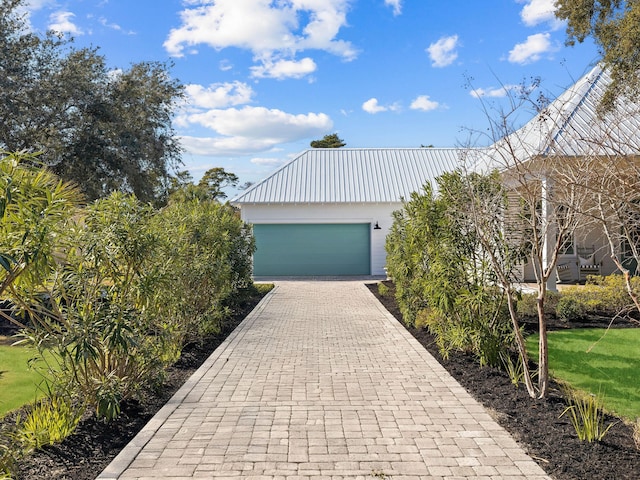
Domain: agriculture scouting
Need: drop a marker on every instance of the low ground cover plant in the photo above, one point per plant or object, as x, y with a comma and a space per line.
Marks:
47, 421
587, 415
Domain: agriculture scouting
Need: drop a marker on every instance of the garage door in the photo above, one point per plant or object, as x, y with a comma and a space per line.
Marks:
312, 249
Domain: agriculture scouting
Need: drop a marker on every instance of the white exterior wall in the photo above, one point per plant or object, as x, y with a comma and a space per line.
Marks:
331, 213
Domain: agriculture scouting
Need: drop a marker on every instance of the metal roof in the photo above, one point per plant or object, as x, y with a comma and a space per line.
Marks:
352, 175
571, 126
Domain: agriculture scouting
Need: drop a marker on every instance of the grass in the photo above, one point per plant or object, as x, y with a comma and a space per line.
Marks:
18, 383
599, 362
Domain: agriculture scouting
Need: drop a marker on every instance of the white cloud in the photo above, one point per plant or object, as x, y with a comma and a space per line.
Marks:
62, 22
114, 74
536, 12
273, 31
443, 52
251, 129
396, 4
267, 162
113, 26
424, 103
282, 69
372, 106
219, 95
30, 6
493, 92
262, 122
532, 49
225, 65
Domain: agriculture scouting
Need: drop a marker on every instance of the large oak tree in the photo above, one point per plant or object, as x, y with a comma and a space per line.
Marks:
106, 130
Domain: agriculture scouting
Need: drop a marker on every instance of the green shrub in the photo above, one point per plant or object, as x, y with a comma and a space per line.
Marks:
136, 285
263, 288
602, 295
441, 272
527, 304
210, 251
383, 290
570, 308
450, 336
101, 327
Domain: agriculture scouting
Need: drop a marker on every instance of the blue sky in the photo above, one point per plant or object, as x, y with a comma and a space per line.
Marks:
265, 77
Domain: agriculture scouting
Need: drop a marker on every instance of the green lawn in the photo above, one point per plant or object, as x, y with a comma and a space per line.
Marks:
589, 361
18, 383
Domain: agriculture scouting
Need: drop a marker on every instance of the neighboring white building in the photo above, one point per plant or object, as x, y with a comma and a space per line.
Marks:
569, 131
328, 211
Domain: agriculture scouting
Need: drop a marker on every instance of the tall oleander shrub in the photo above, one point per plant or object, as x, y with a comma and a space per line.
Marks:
99, 320
209, 250
443, 280
111, 292
35, 209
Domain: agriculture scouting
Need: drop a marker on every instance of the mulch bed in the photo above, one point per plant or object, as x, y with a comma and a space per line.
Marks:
536, 424
550, 440
86, 453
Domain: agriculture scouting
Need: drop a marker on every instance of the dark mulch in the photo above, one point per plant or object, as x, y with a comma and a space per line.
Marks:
84, 455
536, 424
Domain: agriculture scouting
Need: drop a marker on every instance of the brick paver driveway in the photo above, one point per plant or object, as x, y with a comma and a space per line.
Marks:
320, 382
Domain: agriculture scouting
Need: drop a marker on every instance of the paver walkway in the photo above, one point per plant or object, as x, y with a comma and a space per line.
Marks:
320, 382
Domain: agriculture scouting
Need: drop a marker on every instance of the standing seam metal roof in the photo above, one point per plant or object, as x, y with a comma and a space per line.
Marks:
352, 175
571, 125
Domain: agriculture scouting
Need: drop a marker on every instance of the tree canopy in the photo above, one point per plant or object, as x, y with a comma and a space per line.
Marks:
614, 25
210, 187
215, 180
106, 130
328, 141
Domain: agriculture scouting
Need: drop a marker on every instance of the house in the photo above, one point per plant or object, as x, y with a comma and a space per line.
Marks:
327, 211
566, 136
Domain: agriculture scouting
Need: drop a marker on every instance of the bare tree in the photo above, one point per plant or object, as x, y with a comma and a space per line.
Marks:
535, 217
610, 155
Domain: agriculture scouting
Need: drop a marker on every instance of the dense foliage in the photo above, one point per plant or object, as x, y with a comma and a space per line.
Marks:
101, 128
111, 292
442, 276
614, 25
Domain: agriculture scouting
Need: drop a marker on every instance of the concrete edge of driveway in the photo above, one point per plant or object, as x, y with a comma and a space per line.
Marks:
126, 456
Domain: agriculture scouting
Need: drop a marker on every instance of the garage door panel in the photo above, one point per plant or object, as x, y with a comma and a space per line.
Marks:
312, 249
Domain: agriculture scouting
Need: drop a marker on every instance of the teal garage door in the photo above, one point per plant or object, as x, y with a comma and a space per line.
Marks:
312, 249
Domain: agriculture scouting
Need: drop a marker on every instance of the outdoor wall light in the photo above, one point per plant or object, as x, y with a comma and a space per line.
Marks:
377, 227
